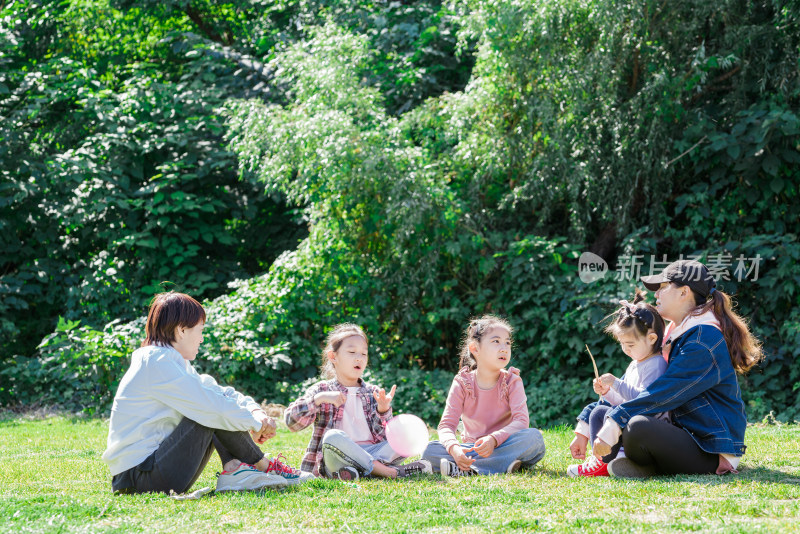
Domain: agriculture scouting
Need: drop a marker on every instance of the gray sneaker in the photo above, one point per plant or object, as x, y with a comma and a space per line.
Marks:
246, 478
347, 474
625, 468
450, 469
420, 467
514, 467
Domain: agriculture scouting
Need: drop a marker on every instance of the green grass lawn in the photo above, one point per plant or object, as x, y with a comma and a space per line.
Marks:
52, 479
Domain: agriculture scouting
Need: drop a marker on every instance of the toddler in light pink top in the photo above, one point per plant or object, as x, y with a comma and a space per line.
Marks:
490, 401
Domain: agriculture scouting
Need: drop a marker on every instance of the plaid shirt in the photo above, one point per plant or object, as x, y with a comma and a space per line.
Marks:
303, 412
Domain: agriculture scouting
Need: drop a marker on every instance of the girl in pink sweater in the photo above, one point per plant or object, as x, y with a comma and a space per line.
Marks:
490, 401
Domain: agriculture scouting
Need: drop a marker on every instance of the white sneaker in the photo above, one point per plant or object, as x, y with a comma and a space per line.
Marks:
246, 477
347, 474
627, 468
420, 467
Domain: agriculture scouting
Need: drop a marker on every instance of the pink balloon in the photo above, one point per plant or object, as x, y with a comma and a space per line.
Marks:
407, 434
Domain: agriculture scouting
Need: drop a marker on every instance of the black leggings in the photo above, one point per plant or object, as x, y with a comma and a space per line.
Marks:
670, 449
182, 456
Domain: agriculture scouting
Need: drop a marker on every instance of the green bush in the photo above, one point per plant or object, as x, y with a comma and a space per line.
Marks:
266, 336
627, 128
115, 176
743, 203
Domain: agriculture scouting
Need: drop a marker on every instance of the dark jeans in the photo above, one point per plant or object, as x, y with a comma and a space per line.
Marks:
596, 420
181, 458
670, 449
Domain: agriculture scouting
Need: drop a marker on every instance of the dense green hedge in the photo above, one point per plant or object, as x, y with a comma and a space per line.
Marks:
266, 337
636, 128
115, 176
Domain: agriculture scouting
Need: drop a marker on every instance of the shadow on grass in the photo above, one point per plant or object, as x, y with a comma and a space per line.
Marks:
10, 416
763, 474
746, 474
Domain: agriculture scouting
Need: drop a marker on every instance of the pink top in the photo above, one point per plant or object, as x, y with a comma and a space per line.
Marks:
499, 412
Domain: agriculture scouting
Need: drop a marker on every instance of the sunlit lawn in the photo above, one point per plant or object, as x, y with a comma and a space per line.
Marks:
52, 479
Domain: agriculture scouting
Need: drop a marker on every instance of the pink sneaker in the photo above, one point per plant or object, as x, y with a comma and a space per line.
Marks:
291, 475
592, 467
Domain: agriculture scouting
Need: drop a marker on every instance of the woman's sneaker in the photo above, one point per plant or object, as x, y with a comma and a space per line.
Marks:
451, 469
420, 467
347, 474
246, 477
291, 475
592, 467
625, 468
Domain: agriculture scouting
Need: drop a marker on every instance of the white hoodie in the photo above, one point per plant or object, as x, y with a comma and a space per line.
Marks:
158, 390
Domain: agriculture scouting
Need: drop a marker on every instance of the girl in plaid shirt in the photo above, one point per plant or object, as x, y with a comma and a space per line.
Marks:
349, 415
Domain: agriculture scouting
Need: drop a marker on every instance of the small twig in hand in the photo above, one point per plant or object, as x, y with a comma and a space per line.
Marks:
596, 374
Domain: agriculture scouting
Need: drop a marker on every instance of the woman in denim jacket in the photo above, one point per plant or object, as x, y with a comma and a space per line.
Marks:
706, 345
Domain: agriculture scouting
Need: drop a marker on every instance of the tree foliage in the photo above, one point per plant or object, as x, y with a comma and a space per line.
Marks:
115, 175
435, 190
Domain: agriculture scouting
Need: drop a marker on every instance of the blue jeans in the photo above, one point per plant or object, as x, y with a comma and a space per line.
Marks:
338, 451
596, 420
526, 445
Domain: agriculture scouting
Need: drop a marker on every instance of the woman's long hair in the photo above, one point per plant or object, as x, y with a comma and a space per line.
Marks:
743, 346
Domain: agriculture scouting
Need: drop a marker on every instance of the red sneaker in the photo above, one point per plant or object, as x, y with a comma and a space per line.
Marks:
592, 467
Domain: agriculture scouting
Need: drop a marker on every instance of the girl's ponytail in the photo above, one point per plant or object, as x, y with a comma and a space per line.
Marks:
743, 346
639, 318
466, 359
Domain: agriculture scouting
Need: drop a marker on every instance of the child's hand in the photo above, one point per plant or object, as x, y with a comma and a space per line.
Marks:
485, 446
599, 388
600, 448
578, 447
384, 400
607, 379
337, 398
463, 461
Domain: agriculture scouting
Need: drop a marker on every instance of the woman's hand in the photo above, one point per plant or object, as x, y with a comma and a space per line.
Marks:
463, 461
485, 446
600, 448
578, 447
384, 399
599, 387
268, 427
337, 398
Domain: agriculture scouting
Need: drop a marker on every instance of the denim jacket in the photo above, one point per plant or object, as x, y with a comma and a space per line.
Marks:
701, 389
